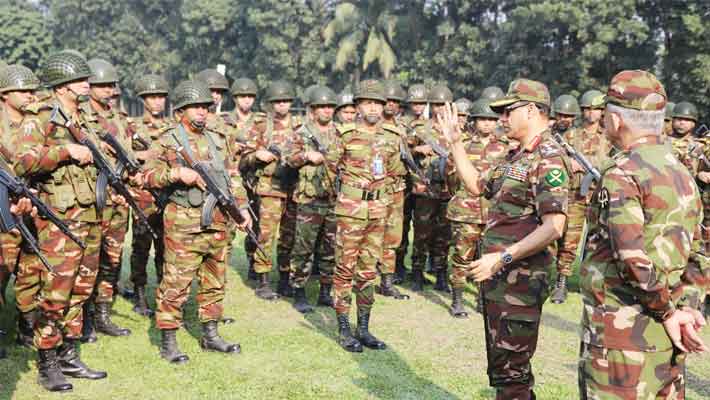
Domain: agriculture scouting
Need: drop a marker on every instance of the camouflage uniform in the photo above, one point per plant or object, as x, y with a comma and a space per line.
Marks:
643, 231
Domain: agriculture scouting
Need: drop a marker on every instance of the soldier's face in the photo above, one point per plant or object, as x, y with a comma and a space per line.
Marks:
592, 115
281, 107
102, 92
154, 103
392, 108
612, 125
244, 102
78, 88
17, 99
216, 96
417, 108
370, 110
515, 119
347, 114
196, 114
565, 119
323, 114
437, 108
486, 126
683, 126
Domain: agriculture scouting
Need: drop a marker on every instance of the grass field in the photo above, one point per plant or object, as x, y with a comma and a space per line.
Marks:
288, 356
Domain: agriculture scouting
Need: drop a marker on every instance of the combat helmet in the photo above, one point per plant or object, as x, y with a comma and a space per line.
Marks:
64, 66
370, 89
151, 84
322, 96
566, 104
685, 110
592, 99
102, 72
481, 109
306, 98
191, 92
17, 77
244, 87
213, 79
492, 93
669, 111
463, 106
394, 91
344, 99
417, 93
440, 94
279, 90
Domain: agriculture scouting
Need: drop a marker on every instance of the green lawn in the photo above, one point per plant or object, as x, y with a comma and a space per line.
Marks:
284, 355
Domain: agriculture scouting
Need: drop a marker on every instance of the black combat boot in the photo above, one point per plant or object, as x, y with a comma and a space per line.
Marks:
263, 288
25, 328
211, 340
442, 283
417, 280
3, 353
324, 297
300, 302
559, 293
457, 310
284, 288
479, 304
141, 303
363, 331
169, 348
49, 374
346, 340
707, 306
104, 324
251, 274
88, 333
71, 365
387, 288
400, 271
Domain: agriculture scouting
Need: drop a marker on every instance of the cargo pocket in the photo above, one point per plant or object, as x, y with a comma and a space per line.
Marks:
518, 333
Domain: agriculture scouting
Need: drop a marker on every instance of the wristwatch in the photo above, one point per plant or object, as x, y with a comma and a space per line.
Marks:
506, 257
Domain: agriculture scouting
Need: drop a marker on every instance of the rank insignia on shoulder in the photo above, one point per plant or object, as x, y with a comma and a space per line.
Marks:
518, 173
556, 177
603, 198
548, 150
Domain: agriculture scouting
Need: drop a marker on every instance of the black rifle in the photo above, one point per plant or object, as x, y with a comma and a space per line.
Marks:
593, 174
216, 195
323, 149
442, 156
107, 175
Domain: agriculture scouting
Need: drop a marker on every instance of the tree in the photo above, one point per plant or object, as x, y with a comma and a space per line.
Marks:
25, 38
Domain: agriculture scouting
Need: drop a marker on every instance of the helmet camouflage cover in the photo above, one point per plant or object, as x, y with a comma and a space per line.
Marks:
370, 89
191, 92
64, 66
17, 77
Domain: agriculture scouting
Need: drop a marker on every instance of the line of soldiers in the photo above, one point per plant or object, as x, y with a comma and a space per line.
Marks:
496, 184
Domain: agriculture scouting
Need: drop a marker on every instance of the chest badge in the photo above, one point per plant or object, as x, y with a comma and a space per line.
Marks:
603, 198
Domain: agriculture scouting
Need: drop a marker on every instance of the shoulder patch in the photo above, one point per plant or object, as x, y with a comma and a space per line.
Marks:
556, 177
548, 149
603, 198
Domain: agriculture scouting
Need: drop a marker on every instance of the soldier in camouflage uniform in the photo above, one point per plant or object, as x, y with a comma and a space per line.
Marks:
417, 97
193, 250
528, 193
364, 155
274, 186
345, 109
62, 170
687, 149
432, 231
468, 213
641, 278
668, 119
103, 119
315, 196
17, 88
146, 129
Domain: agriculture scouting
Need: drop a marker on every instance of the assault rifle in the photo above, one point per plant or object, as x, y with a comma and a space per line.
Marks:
217, 196
593, 174
107, 175
323, 149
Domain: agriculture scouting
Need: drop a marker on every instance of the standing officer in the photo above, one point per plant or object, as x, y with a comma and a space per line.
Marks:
528, 193
641, 277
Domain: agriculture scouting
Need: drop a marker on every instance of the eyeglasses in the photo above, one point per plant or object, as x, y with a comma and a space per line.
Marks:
519, 104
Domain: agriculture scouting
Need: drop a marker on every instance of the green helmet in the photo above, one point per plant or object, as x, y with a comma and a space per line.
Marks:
345, 99
566, 104
244, 87
481, 108
308, 92
417, 94
279, 90
213, 79
151, 84
463, 106
17, 77
370, 89
685, 110
492, 93
669, 111
102, 71
440, 94
322, 96
64, 66
191, 92
394, 91
592, 99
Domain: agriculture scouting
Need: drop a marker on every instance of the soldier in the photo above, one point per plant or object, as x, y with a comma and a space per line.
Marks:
102, 118
17, 87
153, 92
432, 231
528, 193
566, 111
468, 213
218, 85
640, 291
417, 101
62, 171
668, 119
364, 155
274, 186
315, 196
589, 140
191, 249
345, 110
492, 93
685, 146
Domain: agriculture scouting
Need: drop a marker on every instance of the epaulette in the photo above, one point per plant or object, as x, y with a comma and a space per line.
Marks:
259, 116
37, 106
549, 148
227, 118
416, 123
397, 130
345, 128
161, 134
216, 132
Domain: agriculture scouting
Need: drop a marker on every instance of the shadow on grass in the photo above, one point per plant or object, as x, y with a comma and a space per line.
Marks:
387, 375
19, 359
698, 384
558, 323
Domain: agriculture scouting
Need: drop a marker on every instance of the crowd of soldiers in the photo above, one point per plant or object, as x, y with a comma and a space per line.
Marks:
503, 193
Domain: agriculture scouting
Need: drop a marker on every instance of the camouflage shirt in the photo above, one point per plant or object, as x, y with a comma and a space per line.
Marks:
316, 185
434, 166
687, 149
595, 147
643, 223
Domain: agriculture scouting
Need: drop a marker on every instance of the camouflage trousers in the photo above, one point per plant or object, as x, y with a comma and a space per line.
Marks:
250, 245
113, 227
9, 259
465, 237
142, 241
406, 224
63, 293
630, 375
706, 229
358, 247
277, 226
570, 241
432, 233
287, 236
511, 334
393, 233
313, 222
190, 255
